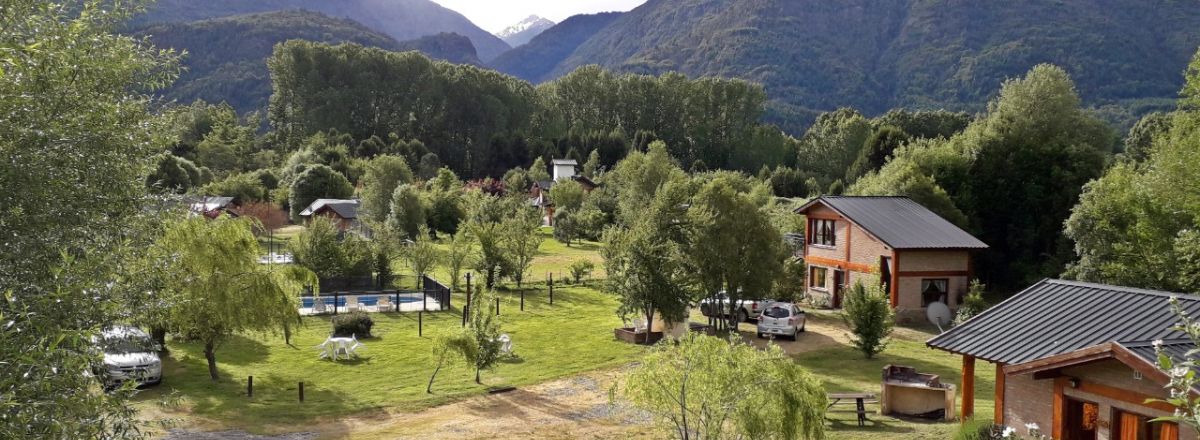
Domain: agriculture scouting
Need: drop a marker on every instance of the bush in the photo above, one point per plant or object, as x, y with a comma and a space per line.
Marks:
581, 268
352, 324
974, 430
973, 304
869, 315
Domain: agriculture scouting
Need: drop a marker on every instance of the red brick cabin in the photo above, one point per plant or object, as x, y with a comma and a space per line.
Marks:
1077, 359
917, 256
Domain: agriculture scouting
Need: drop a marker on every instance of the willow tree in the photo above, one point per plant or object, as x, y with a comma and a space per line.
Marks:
218, 287
708, 388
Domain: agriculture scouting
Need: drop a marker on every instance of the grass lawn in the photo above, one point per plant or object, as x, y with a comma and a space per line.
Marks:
572, 336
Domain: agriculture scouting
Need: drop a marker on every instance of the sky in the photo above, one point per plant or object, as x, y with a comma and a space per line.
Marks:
495, 15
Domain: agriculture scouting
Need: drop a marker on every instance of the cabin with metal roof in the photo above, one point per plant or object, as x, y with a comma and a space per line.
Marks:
343, 212
918, 256
1077, 359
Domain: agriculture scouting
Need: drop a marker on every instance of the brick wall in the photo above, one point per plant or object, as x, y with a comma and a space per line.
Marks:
1032, 401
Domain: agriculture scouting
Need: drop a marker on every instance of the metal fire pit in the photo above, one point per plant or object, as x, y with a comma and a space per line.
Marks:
906, 392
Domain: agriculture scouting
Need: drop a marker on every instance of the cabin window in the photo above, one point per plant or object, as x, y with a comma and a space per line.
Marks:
823, 232
816, 278
934, 290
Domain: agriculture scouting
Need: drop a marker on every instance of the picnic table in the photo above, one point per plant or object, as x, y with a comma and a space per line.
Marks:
860, 403
333, 346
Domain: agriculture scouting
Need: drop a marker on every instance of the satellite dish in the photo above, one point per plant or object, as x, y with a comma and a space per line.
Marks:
939, 314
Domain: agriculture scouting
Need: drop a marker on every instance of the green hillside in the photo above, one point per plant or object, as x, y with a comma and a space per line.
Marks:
399, 19
534, 61
873, 55
226, 57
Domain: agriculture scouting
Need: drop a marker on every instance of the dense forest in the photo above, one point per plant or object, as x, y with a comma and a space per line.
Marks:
226, 57
400, 19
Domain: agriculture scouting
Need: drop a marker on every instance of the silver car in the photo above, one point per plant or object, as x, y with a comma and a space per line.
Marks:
129, 354
782, 319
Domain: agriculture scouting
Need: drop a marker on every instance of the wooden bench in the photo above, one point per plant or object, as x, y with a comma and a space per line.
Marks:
860, 404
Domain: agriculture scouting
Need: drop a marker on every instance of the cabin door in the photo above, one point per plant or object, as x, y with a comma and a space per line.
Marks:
1080, 420
839, 280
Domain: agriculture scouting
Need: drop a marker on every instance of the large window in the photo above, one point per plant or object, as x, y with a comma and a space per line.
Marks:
822, 232
816, 277
935, 290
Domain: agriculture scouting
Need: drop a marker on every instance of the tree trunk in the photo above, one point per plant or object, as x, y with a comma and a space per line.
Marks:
209, 355
491, 277
159, 335
477, 377
429, 388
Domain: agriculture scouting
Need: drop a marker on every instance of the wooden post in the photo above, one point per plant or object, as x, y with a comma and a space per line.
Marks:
999, 415
421, 323
396, 303
335, 301
250, 386
465, 307
468, 291
551, 289
424, 300
968, 388
301, 392
497, 306
522, 300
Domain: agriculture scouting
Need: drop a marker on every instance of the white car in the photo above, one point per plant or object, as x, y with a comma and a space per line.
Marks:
129, 354
745, 309
782, 319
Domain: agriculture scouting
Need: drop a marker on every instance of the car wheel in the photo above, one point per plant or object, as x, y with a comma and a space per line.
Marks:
743, 316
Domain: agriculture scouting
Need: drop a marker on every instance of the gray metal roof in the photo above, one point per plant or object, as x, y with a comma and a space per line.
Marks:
563, 162
900, 222
1054, 317
346, 208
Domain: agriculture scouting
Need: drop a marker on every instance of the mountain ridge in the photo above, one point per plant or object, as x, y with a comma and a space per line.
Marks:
400, 19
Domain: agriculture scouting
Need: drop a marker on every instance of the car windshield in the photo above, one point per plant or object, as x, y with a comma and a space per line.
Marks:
126, 344
777, 312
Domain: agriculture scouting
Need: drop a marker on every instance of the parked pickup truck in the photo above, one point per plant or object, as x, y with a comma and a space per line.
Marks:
745, 309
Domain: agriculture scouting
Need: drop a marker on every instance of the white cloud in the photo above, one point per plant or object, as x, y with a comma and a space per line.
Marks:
495, 15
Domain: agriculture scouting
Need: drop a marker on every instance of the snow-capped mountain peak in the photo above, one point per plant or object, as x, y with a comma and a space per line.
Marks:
524, 30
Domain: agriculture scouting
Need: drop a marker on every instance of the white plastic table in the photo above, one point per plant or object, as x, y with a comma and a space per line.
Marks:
333, 347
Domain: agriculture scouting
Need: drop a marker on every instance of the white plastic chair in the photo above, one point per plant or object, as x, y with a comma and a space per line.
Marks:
505, 343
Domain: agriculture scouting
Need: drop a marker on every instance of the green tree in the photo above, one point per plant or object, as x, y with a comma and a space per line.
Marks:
591, 168
708, 388
638, 178
538, 171
833, 142
243, 187
1132, 226
448, 346
318, 249
460, 250
78, 144
407, 212
1141, 136
383, 174
646, 269
422, 254
317, 182
733, 245
173, 174
876, 151
567, 195
220, 289
581, 268
484, 328
483, 223
522, 237
866, 310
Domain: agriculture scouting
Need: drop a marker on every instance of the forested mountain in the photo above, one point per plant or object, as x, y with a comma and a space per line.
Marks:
227, 56
445, 46
524, 31
535, 60
400, 19
873, 55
